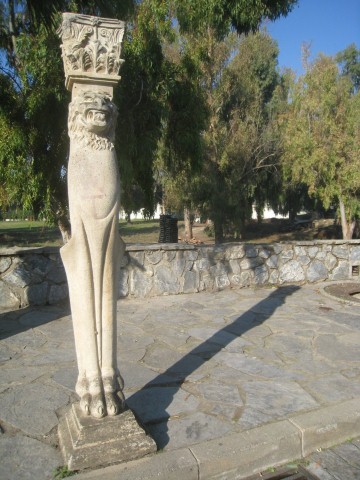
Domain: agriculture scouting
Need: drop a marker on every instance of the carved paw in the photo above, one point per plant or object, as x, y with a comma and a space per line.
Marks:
93, 405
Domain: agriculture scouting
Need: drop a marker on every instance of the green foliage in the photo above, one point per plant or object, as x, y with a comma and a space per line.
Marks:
164, 98
321, 136
62, 472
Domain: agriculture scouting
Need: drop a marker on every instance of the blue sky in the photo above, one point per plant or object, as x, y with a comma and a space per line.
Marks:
329, 25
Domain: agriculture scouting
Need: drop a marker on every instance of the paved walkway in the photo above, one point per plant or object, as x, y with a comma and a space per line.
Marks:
227, 383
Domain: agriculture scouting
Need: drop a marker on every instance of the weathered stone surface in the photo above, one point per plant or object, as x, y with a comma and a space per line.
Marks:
341, 251
165, 281
154, 257
7, 298
36, 294
26, 458
273, 261
341, 272
5, 263
261, 274
87, 442
140, 285
292, 271
250, 251
123, 283
57, 293
194, 428
316, 271
156, 405
31, 408
38, 265
330, 261
18, 276
191, 282
286, 255
355, 254
251, 263
273, 400
56, 274
235, 252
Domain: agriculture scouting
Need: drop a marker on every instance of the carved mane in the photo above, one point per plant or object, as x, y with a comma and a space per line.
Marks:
78, 128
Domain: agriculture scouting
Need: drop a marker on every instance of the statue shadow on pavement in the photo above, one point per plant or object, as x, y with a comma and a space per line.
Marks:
167, 384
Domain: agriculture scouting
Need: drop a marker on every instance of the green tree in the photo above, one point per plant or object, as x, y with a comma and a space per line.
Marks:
241, 141
161, 100
321, 138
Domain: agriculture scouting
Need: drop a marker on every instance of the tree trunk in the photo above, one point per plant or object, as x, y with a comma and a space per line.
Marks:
346, 226
219, 232
128, 217
65, 228
188, 225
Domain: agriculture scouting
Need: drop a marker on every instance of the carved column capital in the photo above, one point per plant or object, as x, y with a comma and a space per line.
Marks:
91, 49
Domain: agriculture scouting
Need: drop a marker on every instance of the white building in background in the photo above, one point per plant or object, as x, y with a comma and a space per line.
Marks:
139, 215
268, 213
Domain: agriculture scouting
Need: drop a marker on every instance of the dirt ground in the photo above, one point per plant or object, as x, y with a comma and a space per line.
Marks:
273, 230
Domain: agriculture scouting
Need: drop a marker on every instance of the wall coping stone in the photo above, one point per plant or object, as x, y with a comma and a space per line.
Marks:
135, 247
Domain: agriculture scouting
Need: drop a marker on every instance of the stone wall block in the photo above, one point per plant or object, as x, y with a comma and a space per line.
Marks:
36, 294
57, 294
124, 260
250, 251
191, 255
222, 281
291, 271
287, 255
341, 272
207, 282
137, 258
330, 261
165, 282
316, 271
5, 263
170, 255
274, 277
218, 253
8, 299
234, 252
299, 251
56, 274
278, 248
191, 282
304, 259
154, 257
235, 266
203, 264
273, 261
264, 252
19, 276
38, 265
341, 251
123, 283
261, 275
355, 255
140, 285
178, 265
247, 278
312, 251
251, 263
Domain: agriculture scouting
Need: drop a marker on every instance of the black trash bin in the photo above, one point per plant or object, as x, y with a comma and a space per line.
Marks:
168, 229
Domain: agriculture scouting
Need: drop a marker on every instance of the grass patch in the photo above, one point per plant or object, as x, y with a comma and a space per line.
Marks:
39, 234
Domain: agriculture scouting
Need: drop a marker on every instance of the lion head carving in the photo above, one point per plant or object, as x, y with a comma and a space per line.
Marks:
92, 120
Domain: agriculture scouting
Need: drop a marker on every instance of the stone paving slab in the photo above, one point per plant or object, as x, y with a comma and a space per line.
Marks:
203, 372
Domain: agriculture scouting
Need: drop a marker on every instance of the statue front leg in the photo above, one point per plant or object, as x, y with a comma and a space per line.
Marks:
112, 381
77, 261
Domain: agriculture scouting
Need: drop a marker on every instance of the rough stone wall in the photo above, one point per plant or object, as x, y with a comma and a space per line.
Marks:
32, 276
36, 276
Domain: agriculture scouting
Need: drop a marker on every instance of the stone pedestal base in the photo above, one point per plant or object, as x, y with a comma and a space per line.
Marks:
87, 442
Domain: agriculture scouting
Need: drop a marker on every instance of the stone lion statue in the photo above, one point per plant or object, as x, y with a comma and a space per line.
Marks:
92, 254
